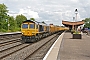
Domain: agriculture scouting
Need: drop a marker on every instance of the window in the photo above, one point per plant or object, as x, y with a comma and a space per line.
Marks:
36, 26
32, 26
25, 26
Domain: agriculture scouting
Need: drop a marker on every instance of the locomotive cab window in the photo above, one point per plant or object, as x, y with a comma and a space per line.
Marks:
36, 26
25, 26
41, 28
32, 26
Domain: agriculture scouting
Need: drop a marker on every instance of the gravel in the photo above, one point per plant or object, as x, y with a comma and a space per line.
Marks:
4, 41
22, 54
9, 46
12, 50
38, 55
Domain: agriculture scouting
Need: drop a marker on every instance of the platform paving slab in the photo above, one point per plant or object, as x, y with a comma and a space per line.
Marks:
74, 49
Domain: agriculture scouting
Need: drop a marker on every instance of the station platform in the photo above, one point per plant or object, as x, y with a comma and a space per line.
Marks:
8, 33
67, 48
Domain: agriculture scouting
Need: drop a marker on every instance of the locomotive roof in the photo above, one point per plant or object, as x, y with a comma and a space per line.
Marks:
40, 23
28, 21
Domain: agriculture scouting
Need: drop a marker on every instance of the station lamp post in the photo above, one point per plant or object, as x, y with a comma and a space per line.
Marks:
76, 12
73, 24
73, 19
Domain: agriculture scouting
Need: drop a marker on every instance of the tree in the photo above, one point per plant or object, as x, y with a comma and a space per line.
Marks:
3, 16
87, 23
12, 22
19, 19
3, 12
32, 19
43, 22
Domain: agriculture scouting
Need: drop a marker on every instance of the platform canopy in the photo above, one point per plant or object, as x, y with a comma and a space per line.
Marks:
72, 24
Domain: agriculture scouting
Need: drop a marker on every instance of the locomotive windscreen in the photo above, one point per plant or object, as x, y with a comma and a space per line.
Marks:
25, 26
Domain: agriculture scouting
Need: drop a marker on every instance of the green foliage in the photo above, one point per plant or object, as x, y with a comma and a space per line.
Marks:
3, 16
20, 19
32, 19
87, 23
12, 22
3, 30
77, 32
43, 22
5, 20
72, 31
3, 11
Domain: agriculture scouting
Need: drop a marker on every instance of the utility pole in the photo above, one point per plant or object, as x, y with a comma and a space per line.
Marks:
8, 23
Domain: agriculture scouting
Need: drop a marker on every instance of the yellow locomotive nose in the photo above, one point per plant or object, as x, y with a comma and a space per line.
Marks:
27, 33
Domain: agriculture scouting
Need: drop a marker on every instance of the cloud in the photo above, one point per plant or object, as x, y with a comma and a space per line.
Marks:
29, 13
12, 13
75, 1
26, 12
50, 11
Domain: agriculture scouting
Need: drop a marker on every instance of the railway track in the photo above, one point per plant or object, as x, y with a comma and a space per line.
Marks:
42, 50
7, 42
17, 51
12, 50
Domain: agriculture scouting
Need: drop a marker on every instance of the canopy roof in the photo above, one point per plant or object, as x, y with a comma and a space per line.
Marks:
73, 23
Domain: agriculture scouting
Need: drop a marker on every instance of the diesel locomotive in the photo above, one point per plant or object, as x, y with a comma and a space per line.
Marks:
33, 31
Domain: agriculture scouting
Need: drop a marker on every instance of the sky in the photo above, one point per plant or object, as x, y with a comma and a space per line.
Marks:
49, 11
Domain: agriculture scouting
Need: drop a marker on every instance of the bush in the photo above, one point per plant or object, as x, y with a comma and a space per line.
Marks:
3, 30
76, 32
72, 31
